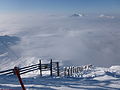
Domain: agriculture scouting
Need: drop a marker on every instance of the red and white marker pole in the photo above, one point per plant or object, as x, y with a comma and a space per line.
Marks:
17, 73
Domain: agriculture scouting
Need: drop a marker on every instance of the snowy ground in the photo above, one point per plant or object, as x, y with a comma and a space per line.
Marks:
96, 79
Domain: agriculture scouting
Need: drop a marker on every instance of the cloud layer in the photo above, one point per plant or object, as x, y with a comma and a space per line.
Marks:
74, 41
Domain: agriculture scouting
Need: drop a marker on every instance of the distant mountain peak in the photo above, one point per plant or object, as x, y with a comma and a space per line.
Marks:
106, 16
78, 15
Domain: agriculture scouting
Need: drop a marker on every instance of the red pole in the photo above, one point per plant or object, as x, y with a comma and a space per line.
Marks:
17, 73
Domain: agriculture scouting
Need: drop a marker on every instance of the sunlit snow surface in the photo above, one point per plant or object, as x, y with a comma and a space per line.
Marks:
97, 78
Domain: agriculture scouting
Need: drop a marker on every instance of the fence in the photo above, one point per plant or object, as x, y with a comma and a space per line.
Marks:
70, 71
53, 67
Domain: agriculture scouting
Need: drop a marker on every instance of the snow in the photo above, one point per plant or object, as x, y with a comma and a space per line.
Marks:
78, 15
99, 81
102, 78
26, 38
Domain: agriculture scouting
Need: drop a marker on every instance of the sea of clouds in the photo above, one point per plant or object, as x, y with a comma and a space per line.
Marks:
90, 39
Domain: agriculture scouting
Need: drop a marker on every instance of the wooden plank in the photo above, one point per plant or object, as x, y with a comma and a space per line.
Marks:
65, 71
68, 71
71, 70
45, 66
29, 71
40, 67
8, 73
51, 67
29, 66
58, 69
6, 70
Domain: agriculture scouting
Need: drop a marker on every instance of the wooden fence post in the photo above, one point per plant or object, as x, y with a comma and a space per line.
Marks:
71, 70
65, 70
58, 69
77, 69
68, 70
51, 67
17, 73
40, 67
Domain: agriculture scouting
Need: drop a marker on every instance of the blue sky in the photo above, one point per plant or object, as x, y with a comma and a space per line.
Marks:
58, 6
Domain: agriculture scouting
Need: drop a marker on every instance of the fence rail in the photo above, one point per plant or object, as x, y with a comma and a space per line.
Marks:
52, 67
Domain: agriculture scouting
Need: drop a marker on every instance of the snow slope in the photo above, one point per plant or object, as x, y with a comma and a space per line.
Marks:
97, 78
